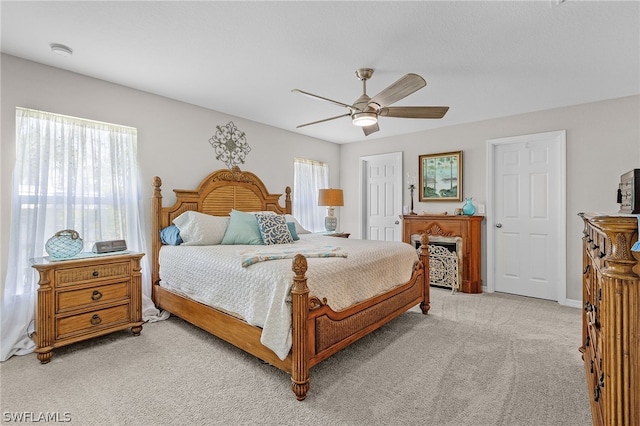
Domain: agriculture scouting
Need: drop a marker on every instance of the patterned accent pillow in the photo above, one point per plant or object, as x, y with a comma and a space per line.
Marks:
273, 229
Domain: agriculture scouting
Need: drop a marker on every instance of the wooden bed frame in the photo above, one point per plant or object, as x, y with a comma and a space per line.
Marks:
317, 330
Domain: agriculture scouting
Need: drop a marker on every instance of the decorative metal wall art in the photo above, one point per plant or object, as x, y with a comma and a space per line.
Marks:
230, 145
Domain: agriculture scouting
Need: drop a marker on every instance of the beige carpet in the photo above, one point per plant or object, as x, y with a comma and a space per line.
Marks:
489, 359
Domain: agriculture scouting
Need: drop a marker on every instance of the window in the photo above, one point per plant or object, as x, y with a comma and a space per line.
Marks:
309, 177
70, 173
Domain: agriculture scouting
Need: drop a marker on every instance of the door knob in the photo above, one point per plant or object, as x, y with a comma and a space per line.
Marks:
397, 222
498, 225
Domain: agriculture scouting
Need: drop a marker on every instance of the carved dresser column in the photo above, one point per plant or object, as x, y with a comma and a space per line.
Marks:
611, 318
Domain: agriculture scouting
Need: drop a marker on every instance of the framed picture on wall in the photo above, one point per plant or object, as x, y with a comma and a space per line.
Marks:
440, 176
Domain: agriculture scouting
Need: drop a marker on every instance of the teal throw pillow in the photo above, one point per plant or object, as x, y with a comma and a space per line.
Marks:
292, 230
242, 229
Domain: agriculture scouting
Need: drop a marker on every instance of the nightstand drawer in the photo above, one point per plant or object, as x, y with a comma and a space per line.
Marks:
73, 299
88, 273
92, 320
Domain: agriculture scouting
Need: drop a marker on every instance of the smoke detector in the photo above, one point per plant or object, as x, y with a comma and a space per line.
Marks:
61, 49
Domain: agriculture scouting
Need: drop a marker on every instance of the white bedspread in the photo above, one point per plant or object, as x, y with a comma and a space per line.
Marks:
260, 293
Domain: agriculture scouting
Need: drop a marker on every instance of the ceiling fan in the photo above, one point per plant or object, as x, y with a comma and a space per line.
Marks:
365, 111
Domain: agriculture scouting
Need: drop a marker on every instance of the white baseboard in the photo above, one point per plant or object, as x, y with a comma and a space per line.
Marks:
574, 303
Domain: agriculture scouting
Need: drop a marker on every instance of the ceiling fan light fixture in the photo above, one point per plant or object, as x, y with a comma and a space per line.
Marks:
365, 110
364, 119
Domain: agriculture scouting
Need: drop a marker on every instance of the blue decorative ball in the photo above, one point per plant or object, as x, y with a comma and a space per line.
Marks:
64, 244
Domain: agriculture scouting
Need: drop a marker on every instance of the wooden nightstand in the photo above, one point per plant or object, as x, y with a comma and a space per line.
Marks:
86, 297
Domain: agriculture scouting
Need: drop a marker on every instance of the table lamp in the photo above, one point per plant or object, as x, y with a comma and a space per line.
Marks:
330, 198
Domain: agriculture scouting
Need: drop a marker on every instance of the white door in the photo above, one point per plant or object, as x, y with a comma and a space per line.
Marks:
382, 197
526, 219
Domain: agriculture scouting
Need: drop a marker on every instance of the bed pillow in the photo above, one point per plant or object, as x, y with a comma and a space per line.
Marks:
170, 236
242, 229
292, 230
199, 229
273, 229
299, 228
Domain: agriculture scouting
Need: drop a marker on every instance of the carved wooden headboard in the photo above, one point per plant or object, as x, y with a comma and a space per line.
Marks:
217, 195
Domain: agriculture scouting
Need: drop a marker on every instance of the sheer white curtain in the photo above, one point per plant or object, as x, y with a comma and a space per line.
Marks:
70, 173
309, 176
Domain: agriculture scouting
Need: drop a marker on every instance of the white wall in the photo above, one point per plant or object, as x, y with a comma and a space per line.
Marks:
603, 142
172, 136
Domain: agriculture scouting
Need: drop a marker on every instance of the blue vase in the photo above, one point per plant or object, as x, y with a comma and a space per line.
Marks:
468, 209
64, 244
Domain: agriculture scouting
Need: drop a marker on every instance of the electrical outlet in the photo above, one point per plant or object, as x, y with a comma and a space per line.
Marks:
480, 208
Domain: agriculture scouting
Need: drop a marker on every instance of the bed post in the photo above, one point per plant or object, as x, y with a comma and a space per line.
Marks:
287, 200
300, 302
156, 209
425, 305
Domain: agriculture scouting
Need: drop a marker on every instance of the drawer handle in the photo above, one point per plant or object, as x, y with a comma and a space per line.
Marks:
95, 273
96, 295
594, 246
95, 319
602, 254
586, 269
596, 394
601, 380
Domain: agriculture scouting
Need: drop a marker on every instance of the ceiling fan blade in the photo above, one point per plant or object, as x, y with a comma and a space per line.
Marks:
370, 129
399, 90
414, 111
311, 95
322, 121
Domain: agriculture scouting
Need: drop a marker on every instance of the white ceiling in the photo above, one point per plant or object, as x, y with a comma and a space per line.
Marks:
483, 59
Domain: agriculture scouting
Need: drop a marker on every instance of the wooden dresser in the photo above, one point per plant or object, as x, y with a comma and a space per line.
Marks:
83, 298
466, 227
611, 318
